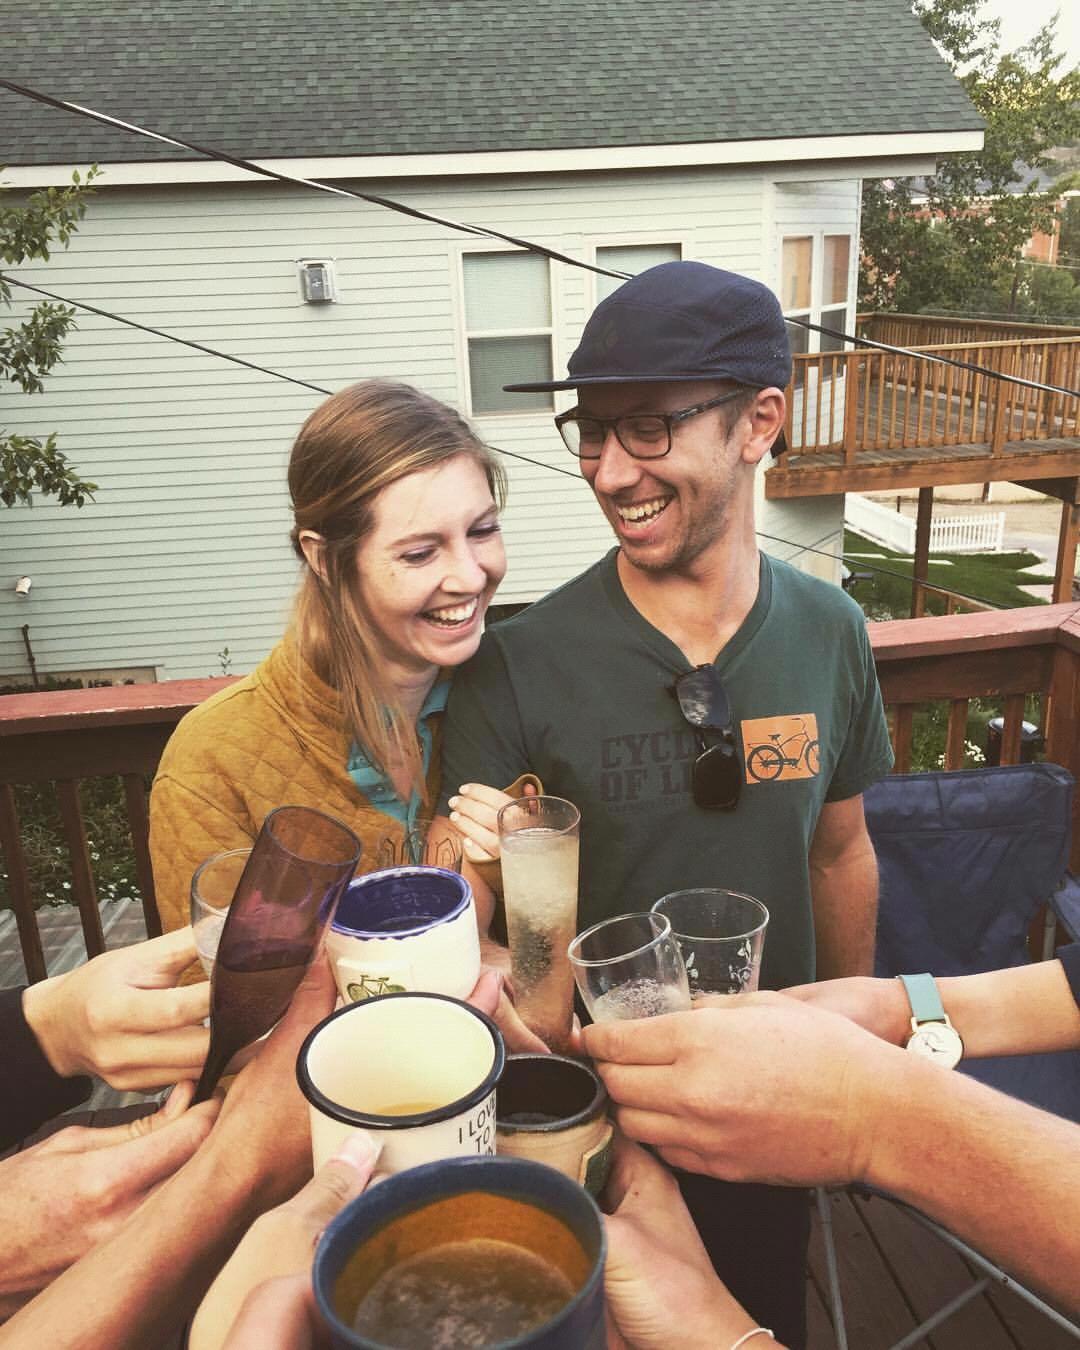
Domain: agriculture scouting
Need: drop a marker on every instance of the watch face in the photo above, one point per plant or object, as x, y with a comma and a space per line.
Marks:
938, 1042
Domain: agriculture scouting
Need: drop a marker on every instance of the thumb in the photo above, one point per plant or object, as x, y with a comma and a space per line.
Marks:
162, 960
337, 1182
486, 992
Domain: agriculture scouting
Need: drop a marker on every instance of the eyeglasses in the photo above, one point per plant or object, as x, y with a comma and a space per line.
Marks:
716, 775
641, 435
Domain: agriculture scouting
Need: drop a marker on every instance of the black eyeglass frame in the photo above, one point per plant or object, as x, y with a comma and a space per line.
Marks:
716, 776
670, 420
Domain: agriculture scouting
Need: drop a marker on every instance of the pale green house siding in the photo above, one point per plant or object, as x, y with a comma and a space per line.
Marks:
185, 550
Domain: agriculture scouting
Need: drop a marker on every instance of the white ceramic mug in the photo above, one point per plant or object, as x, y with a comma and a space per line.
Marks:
417, 1070
405, 928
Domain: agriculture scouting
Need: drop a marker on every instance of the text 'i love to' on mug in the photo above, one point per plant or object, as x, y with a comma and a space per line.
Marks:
405, 928
417, 1070
554, 1110
492, 1252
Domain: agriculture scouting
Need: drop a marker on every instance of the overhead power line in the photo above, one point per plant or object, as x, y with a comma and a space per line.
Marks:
321, 389
250, 166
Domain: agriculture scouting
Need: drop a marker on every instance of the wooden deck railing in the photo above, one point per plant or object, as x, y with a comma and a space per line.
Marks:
1020, 655
63, 738
921, 330
869, 401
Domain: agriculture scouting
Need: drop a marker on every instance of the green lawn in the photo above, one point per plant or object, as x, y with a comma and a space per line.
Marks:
994, 578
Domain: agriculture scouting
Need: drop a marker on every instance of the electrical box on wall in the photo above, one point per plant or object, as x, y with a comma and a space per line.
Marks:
317, 284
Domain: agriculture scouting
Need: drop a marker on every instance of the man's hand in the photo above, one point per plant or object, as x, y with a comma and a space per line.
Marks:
121, 1016
880, 1006
281, 1243
657, 1266
74, 1190
756, 1087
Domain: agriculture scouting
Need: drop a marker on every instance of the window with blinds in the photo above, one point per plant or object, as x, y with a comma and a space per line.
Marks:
508, 329
632, 258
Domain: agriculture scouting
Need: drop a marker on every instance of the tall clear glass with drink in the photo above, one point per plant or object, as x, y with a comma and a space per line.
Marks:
538, 840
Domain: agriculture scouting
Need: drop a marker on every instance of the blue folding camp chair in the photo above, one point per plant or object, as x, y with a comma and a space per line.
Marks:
966, 861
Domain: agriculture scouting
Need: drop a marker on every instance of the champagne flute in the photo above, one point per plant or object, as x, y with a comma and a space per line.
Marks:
299, 866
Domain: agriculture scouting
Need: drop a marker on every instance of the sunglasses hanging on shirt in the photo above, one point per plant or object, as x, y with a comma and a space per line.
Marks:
716, 775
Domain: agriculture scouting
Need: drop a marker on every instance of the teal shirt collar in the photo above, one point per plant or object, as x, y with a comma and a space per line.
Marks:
376, 786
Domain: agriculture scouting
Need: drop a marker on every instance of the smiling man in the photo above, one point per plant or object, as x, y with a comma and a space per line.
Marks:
714, 713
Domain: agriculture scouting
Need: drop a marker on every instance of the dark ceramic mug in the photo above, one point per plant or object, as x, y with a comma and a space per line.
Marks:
499, 1211
554, 1110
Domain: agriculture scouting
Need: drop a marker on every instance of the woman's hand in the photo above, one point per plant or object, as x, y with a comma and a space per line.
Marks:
280, 1244
122, 1017
879, 1006
475, 812
657, 1266
72, 1191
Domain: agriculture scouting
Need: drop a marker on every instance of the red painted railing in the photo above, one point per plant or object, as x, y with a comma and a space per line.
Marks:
1022, 656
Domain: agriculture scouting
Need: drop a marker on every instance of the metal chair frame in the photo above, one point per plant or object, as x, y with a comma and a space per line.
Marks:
1064, 908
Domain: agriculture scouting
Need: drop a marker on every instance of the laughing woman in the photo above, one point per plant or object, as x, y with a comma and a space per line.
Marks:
396, 505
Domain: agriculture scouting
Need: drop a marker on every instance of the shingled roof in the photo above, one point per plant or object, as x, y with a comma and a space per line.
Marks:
291, 78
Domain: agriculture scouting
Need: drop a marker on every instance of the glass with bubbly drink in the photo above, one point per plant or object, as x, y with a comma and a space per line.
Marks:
630, 966
538, 841
212, 889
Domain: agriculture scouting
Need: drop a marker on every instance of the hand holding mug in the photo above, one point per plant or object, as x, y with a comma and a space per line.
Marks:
280, 1244
657, 1262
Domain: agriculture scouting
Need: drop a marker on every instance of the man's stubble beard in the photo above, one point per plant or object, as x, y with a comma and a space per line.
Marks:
699, 540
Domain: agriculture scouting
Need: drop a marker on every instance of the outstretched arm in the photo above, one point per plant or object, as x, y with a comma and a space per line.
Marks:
138, 1287
854, 1108
1021, 1011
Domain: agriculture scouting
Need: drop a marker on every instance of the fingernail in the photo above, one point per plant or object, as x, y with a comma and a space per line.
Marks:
454, 815
359, 1150
452, 801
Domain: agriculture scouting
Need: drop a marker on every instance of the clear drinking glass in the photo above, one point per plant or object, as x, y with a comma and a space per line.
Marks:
721, 934
630, 967
212, 889
418, 848
299, 866
538, 842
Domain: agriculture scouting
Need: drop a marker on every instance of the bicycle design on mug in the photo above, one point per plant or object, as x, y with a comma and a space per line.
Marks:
768, 760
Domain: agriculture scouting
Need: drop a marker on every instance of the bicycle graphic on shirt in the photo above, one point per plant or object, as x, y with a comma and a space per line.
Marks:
768, 760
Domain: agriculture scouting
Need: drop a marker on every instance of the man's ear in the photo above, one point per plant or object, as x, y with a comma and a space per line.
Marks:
312, 545
766, 415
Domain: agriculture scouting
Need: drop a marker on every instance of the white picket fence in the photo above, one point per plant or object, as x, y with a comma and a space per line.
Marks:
948, 534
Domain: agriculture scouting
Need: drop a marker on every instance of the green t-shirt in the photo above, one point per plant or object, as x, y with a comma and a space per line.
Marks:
577, 689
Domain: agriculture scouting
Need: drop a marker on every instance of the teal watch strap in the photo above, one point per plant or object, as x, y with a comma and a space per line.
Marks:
926, 1004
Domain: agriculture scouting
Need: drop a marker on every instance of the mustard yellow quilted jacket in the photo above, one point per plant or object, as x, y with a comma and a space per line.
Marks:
275, 738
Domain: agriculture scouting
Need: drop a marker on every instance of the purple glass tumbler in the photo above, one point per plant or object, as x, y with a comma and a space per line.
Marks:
298, 870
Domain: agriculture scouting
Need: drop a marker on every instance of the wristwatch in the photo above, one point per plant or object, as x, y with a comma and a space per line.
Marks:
932, 1034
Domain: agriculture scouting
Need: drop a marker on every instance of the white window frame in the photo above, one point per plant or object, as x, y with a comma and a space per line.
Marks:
463, 334
817, 278
593, 246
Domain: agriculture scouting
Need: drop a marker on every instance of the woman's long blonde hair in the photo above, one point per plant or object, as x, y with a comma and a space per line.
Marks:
351, 447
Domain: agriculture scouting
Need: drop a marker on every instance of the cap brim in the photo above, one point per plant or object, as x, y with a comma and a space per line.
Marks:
553, 385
